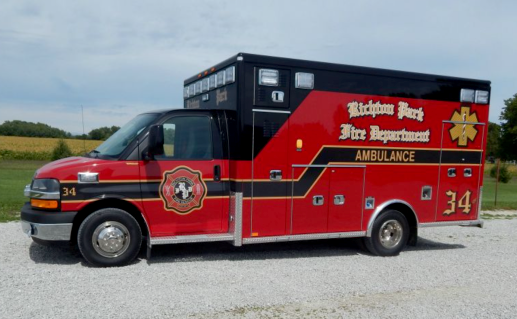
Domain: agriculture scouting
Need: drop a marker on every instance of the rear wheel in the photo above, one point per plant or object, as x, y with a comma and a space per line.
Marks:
390, 234
109, 237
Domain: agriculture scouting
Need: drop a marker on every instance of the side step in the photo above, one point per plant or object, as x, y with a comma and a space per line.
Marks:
191, 239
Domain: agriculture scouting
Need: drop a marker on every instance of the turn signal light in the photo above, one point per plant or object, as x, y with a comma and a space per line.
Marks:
41, 203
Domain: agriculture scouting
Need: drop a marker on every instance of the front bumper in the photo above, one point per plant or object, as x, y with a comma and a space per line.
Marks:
51, 226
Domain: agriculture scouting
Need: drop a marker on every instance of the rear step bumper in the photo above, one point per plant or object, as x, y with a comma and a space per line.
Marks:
471, 223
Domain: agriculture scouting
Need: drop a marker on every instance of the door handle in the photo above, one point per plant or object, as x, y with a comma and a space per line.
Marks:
339, 199
318, 200
217, 173
275, 175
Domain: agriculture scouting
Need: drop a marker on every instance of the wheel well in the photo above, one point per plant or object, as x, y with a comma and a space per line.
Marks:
108, 203
410, 217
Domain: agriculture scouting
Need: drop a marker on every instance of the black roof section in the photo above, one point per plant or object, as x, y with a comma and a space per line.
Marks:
305, 64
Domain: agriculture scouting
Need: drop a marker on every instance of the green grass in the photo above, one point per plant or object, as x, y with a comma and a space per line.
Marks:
506, 194
14, 175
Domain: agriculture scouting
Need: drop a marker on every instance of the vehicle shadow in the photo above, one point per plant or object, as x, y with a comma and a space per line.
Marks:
57, 253
283, 250
66, 254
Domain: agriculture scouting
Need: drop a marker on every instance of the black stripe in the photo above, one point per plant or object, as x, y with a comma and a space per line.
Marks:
349, 155
130, 190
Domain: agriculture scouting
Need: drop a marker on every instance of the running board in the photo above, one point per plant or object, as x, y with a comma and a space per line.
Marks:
191, 239
274, 239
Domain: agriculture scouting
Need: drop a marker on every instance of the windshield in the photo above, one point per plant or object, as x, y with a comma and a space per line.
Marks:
117, 143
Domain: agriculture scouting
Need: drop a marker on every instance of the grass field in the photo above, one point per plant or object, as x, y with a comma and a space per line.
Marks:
31, 148
14, 175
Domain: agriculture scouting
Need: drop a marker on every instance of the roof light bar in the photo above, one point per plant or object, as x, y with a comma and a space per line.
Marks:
213, 81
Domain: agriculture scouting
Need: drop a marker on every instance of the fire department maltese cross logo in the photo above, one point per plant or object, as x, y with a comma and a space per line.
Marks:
182, 190
463, 132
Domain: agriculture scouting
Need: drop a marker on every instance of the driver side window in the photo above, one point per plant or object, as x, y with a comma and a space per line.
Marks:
187, 138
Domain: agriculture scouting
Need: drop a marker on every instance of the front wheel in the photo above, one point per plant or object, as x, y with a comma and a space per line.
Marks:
109, 237
390, 234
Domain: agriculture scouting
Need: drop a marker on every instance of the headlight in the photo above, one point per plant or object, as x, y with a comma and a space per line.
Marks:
44, 193
45, 185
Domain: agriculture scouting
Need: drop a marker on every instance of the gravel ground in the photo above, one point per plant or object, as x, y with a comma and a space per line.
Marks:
454, 272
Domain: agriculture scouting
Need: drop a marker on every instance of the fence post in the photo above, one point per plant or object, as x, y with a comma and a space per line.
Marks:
496, 181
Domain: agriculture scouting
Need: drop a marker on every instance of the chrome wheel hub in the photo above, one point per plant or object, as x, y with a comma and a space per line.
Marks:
111, 239
390, 233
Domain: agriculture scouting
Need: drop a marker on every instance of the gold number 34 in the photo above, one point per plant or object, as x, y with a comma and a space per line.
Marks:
464, 202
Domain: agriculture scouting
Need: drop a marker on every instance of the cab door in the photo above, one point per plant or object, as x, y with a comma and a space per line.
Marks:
183, 190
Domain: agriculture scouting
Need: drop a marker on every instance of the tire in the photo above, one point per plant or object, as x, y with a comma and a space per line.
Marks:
390, 234
117, 231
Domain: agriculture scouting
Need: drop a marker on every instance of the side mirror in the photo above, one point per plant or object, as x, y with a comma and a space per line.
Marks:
155, 142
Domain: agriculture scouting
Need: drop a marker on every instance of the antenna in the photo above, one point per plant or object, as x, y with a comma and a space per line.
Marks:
84, 135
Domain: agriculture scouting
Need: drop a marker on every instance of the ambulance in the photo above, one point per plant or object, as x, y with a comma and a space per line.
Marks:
270, 149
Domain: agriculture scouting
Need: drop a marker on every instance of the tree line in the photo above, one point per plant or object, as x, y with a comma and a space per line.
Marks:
502, 138
30, 129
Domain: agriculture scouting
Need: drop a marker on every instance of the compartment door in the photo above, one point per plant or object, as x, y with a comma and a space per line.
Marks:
270, 175
346, 193
460, 168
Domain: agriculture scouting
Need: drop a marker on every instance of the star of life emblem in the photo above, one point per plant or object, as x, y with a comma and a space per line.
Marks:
182, 190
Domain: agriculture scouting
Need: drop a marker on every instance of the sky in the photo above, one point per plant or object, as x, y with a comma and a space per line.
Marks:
117, 59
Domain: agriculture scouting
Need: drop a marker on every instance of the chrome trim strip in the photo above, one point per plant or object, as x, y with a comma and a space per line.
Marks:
191, 239
332, 165
476, 223
236, 218
274, 239
459, 122
44, 195
271, 111
51, 232
381, 207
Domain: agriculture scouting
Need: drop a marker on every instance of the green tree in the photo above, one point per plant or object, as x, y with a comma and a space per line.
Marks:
493, 139
102, 133
61, 150
508, 145
29, 129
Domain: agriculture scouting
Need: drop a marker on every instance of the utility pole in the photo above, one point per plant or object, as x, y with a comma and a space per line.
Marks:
84, 135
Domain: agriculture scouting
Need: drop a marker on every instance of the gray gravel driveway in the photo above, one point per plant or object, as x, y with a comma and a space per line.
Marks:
454, 272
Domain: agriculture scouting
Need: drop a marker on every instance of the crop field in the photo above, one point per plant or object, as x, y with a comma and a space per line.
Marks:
37, 148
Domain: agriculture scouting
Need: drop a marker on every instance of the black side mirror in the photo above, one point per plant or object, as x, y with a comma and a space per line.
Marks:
155, 142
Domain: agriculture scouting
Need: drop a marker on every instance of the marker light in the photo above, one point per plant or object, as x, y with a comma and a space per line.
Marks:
211, 81
204, 85
481, 97
467, 95
304, 81
229, 75
268, 77
220, 79
42, 203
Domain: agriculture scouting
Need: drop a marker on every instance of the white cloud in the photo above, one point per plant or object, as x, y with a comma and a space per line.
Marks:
99, 54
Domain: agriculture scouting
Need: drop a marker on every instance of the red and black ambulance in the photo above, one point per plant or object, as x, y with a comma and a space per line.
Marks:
272, 149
